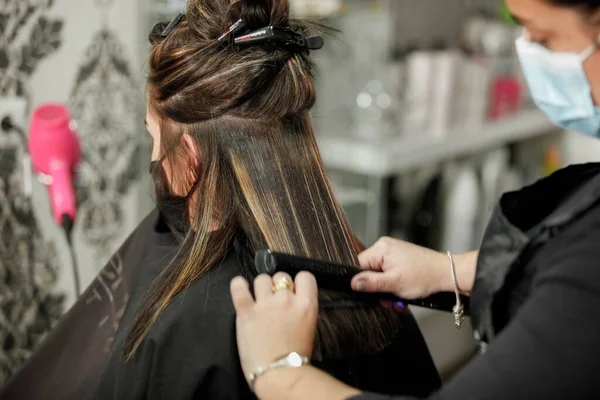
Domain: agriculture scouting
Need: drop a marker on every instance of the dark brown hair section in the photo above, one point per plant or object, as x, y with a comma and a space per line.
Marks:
587, 5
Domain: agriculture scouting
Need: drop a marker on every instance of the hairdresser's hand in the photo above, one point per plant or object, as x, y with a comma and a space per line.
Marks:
275, 324
407, 270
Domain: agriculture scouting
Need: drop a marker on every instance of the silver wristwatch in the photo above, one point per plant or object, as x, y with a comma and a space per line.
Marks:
292, 360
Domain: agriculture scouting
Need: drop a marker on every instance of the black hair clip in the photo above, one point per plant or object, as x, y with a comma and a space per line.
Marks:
280, 35
233, 29
172, 25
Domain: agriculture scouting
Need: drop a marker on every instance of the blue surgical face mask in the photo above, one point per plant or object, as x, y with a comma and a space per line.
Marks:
560, 87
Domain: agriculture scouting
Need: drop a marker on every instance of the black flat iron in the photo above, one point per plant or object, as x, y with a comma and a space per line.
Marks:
336, 277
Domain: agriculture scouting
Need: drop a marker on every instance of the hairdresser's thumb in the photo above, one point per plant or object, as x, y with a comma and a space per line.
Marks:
371, 282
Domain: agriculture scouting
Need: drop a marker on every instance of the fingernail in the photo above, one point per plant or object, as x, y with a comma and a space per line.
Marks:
360, 285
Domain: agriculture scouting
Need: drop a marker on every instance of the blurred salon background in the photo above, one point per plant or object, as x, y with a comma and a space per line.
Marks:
423, 121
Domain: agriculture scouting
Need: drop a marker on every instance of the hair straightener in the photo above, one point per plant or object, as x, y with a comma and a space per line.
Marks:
336, 277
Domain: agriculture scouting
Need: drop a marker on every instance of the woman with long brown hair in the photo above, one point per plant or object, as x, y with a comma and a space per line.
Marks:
237, 169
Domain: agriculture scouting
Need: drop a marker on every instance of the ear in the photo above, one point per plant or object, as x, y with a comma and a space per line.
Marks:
194, 157
192, 150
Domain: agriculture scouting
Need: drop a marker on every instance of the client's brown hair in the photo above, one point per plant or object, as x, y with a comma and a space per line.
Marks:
247, 111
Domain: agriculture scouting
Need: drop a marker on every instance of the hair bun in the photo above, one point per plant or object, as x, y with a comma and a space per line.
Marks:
259, 13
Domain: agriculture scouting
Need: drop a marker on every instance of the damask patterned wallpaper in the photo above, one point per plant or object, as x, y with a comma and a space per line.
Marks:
82, 53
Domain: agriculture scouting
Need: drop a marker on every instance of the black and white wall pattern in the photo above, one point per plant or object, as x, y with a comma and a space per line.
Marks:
78, 52
105, 102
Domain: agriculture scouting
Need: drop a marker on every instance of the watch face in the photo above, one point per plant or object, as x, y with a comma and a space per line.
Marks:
294, 360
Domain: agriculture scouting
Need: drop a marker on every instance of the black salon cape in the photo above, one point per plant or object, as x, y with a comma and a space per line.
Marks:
190, 352
536, 299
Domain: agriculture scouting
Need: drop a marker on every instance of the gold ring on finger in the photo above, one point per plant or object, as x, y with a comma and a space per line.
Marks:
283, 284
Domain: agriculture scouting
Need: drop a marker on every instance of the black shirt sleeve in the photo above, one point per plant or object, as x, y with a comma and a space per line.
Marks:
551, 347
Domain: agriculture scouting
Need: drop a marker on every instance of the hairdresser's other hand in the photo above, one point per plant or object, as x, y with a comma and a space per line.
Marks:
407, 270
275, 324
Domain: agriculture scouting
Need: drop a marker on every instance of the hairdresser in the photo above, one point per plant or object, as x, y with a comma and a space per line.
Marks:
534, 284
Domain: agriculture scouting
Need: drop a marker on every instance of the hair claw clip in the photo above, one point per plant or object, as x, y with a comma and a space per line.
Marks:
284, 36
233, 29
172, 25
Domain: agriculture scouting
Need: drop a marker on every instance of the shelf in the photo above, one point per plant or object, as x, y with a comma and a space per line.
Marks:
405, 154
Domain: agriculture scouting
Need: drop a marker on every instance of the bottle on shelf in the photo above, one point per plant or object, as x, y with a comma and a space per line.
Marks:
446, 67
460, 207
419, 91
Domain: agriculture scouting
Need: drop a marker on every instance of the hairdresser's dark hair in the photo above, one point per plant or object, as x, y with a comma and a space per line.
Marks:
260, 171
587, 6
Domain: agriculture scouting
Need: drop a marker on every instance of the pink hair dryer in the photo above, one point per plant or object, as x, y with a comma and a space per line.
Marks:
55, 151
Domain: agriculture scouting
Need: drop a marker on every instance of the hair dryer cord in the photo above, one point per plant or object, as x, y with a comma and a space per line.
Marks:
67, 224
